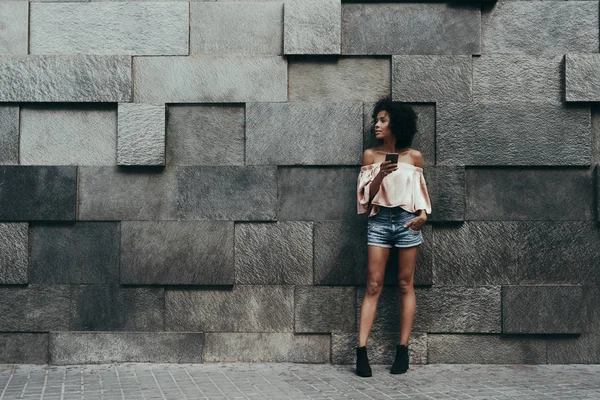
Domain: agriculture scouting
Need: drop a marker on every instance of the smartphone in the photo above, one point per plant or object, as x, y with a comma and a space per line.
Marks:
393, 157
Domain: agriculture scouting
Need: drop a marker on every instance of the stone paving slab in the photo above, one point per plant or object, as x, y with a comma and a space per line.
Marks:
297, 381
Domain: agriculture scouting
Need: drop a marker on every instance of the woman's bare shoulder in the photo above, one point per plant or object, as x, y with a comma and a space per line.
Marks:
369, 156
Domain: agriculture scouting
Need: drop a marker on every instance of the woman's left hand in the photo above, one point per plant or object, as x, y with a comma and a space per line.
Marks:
416, 223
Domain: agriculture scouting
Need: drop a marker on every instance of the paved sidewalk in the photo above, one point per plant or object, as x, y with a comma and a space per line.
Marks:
296, 381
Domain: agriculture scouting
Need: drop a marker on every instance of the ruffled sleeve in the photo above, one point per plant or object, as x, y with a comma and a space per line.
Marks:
421, 199
366, 176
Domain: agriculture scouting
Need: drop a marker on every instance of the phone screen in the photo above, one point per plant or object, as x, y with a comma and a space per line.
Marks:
393, 157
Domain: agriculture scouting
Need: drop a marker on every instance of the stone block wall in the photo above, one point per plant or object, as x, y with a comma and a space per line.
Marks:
178, 179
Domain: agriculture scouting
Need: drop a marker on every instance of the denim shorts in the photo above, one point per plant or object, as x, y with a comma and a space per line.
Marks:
386, 228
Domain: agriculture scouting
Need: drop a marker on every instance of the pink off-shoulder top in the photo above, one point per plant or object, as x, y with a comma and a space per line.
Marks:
404, 187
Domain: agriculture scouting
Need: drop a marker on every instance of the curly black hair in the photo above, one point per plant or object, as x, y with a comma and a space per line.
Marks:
403, 121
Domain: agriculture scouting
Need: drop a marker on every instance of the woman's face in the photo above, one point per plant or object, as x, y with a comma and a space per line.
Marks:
382, 125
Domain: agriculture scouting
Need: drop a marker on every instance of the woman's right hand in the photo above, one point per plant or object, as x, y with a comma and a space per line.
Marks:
387, 167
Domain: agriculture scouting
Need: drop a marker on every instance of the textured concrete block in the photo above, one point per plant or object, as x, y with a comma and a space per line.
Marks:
485, 349
9, 135
540, 28
14, 253
81, 252
249, 308
431, 78
501, 134
542, 309
596, 140
423, 29
62, 78
206, 79
23, 348
105, 348
324, 309
115, 308
134, 28
30, 193
68, 136
14, 17
196, 132
582, 79
322, 133
257, 30
141, 134
34, 308
266, 347
446, 188
381, 347
274, 253
312, 27
177, 252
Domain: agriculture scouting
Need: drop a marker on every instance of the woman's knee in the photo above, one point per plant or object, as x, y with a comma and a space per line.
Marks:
374, 286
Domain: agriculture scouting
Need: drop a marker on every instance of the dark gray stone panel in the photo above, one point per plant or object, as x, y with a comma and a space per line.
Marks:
381, 348
23, 348
14, 253
35, 308
582, 77
9, 134
320, 309
446, 188
596, 139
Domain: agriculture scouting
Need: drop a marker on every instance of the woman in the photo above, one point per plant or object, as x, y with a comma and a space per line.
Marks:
394, 196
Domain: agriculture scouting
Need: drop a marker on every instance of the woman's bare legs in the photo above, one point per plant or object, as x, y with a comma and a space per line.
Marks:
407, 259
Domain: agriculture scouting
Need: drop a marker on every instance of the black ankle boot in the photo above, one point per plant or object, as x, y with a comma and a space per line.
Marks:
362, 362
401, 362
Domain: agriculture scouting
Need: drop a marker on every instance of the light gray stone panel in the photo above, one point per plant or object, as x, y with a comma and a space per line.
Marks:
250, 29
582, 77
14, 253
274, 253
177, 252
81, 252
205, 79
9, 135
116, 308
440, 309
529, 194
23, 348
321, 78
312, 27
132, 28
68, 135
512, 134
446, 188
35, 308
542, 309
266, 347
311, 133
243, 308
485, 349
540, 28
14, 17
381, 348
62, 78
204, 134
424, 29
430, 78
141, 134
117, 347
321, 309
29, 193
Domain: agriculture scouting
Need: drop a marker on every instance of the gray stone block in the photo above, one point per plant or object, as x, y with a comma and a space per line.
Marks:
540, 28
133, 28
473, 133
430, 78
196, 132
30, 193
68, 135
35, 308
423, 29
177, 252
596, 139
542, 309
249, 308
111, 347
14, 21
446, 187
311, 133
582, 77
250, 29
9, 134
115, 308
216, 79
24, 348
14, 253
266, 347
312, 27
320, 309
321, 78
274, 253
62, 78
381, 348
141, 134
81, 252
485, 349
